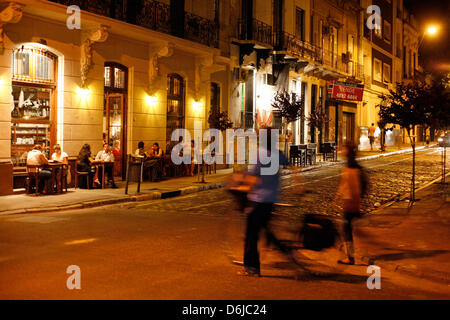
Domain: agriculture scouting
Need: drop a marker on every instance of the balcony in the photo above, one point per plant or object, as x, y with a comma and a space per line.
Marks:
152, 15
260, 32
300, 49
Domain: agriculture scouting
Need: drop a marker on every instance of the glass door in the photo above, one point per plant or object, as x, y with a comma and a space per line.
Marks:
113, 127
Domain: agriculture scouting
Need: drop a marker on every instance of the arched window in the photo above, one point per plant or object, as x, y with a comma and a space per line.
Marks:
33, 116
175, 103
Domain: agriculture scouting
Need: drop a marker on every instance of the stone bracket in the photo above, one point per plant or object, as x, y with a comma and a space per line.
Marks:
100, 35
155, 53
202, 65
11, 14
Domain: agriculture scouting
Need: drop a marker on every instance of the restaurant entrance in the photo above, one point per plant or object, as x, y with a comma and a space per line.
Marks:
115, 114
33, 106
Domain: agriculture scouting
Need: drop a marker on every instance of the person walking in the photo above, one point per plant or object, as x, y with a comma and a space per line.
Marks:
350, 191
372, 135
263, 193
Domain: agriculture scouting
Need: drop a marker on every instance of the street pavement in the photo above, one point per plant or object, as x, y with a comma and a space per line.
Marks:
175, 248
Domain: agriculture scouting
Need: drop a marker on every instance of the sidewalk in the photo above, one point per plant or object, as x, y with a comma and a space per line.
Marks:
416, 243
82, 198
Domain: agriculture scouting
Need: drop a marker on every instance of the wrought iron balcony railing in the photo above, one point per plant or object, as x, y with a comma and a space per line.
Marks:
287, 42
260, 31
153, 15
201, 30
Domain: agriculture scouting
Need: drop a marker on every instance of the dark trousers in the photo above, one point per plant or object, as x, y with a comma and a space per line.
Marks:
109, 166
151, 167
257, 220
44, 177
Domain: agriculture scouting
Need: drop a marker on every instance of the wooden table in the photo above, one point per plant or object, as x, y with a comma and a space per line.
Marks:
54, 167
100, 164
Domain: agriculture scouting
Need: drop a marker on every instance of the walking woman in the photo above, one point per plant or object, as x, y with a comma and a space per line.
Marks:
349, 194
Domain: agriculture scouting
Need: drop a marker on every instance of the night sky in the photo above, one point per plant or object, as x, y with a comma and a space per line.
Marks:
434, 51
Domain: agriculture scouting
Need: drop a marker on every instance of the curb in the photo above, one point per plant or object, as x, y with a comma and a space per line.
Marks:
125, 199
435, 276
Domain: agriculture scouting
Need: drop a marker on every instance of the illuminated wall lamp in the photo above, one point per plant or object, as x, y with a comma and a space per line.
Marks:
151, 101
83, 93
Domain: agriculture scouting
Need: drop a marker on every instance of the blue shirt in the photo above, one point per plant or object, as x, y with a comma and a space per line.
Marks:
268, 189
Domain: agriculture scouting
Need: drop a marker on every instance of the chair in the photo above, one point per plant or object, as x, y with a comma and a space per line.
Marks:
311, 153
329, 151
81, 173
303, 150
33, 173
294, 155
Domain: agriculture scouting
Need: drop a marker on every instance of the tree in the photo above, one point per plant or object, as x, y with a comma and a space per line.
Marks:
290, 107
318, 119
219, 120
410, 105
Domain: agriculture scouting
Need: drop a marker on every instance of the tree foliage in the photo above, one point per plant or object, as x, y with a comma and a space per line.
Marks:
318, 118
289, 106
219, 120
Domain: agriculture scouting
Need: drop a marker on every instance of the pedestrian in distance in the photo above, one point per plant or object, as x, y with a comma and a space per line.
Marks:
352, 187
372, 135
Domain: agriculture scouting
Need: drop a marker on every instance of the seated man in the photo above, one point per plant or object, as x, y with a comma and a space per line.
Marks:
107, 157
36, 158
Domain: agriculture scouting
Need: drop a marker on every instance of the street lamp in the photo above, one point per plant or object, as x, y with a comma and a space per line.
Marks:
431, 31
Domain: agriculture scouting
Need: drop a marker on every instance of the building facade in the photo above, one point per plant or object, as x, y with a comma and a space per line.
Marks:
122, 71
125, 74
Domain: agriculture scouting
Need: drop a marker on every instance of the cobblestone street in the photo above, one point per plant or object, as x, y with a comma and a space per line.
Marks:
388, 177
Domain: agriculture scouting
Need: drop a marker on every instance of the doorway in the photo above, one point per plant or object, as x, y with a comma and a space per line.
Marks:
348, 126
115, 114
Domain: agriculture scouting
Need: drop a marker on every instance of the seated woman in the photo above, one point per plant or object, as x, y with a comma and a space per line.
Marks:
86, 165
62, 157
107, 157
153, 161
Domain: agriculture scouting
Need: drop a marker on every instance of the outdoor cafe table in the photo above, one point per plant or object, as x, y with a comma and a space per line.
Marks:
54, 167
100, 164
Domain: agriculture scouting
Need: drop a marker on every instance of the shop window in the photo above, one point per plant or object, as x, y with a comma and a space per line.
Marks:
175, 103
33, 116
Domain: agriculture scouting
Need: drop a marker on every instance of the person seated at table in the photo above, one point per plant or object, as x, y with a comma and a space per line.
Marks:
116, 148
152, 162
37, 158
107, 157
140, 151
87, 165
62, 157
59, 155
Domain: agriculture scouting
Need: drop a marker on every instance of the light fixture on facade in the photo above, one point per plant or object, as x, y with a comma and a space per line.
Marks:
197, 106
83, 94
151, 101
